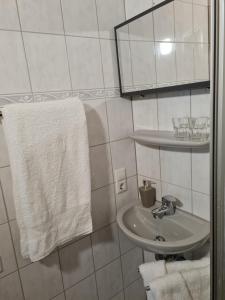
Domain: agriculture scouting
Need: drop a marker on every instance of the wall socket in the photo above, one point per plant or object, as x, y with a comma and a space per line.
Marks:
120, 180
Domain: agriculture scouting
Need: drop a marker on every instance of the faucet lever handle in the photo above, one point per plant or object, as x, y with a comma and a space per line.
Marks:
169, 200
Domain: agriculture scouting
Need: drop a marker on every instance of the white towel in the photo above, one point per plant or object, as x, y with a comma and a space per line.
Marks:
49, 158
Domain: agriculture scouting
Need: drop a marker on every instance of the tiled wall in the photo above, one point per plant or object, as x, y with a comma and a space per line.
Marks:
50, 50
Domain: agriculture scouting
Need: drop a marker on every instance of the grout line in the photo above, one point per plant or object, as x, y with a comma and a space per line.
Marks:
60, 268
92, 253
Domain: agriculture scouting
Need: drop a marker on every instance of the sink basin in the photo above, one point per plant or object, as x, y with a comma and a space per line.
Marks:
174, 234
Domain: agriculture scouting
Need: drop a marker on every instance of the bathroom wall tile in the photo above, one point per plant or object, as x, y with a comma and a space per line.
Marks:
143, 62
135, 291
16, 242
6, 251
8, 15
184, 195
155, 183
137, 29
119, 110
164, 23
109, 63
185, 62
60, 297
119, 296
123, 156
85, 289
3, 217
13, 69
202, 2
85, 66
201, 23
176, 166
76, 261
103, 206
134, 7
125, 64
200, 102
148, 162
101, 167
201, 61
149, 256
130, 196
96, 121
109, 280
4, 158
46, 15
171, 105
201, 205
145, 113
47, 60
80, 18
110, 14
125, 243
200, 171
10, 288
6, 182
105, 243
183, 21
130, 263
42, 280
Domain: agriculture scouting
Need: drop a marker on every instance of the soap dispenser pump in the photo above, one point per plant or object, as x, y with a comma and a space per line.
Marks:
147, 193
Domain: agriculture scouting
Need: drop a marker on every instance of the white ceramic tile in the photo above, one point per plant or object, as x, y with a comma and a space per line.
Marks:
42, 280
201, 205
200, 103
123, 156
137, 28
76, 261
110, 14
6, 251
201, 23
183, 21
176, 166
201, 171
164, 23
149, 256
6, 290
201, 61
4, 158
6, 182
47, 60
125, 243
86, 68
135, 291
109, 280
96, 121
130, 263
103, 206
119, 296
155, 184
143, 62
105, 243
148, 163
13, 69
3, 217
134, 7
185, 62
145, 113
125, 63
80, 18
109, 63
202, 2
86, 289
16, 242
101, 166
165, 62
120, 118
8, 15
41, 15
130, 196
171, 105
183, 195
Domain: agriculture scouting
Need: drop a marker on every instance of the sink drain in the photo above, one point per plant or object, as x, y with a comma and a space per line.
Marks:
159, 238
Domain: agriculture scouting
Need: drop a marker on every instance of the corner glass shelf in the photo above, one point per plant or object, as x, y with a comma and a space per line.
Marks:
166, 139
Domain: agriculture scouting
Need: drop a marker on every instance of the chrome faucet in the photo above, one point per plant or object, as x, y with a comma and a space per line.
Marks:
167, 208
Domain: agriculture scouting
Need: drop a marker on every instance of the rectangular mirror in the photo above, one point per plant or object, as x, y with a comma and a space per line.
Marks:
164, 48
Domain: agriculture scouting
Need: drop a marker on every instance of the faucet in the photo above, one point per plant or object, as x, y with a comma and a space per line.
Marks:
167, 208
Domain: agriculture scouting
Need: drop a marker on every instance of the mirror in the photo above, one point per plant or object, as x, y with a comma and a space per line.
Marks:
164, 48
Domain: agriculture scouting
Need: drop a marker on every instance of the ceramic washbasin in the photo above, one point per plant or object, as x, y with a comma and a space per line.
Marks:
182, 232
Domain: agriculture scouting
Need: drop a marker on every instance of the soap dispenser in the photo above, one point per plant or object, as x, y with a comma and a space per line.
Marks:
147, 193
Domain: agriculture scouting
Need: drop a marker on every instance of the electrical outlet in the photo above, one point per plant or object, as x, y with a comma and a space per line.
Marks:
121, 186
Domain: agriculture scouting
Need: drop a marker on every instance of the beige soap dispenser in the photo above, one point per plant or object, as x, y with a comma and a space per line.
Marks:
147, 193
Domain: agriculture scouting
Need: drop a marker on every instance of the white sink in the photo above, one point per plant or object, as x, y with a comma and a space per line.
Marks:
182, 232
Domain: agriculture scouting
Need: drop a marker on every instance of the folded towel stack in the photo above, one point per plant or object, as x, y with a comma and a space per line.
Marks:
186, 280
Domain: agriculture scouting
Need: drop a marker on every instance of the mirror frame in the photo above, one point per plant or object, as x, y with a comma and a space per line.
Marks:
194, 85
